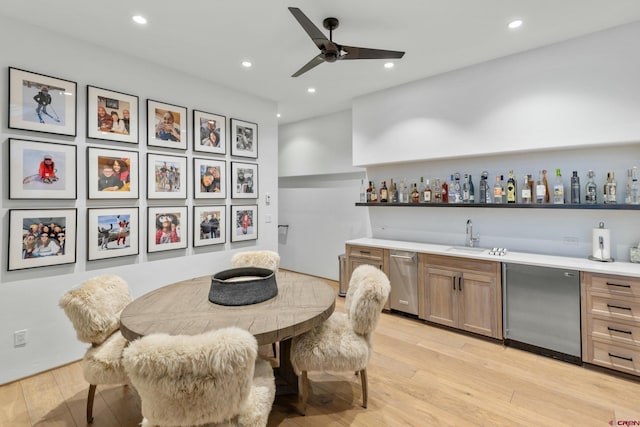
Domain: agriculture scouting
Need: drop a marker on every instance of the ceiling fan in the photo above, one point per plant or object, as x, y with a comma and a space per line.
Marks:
330, 51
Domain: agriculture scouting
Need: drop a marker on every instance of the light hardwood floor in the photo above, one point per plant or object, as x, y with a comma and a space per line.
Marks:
420, 375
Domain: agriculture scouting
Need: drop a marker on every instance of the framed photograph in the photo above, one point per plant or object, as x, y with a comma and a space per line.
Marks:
112, 116
167, 228
112, 232
166, 176
42, 103
209, 179
244, 222
41, 237
244, 180
42, 170
209, 132
166, 125
209, 225
112, 174
244, 139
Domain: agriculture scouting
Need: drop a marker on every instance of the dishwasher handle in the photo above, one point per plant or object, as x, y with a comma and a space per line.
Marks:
410, 258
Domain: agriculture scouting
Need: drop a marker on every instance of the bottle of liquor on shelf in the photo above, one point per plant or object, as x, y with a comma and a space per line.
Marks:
415, 194
540, 189
532, 187
374, 194
575, 189
472, 191
591, 189
635, 187
497, 191
484, 193
457, 189
437, 191
465, 189
610, 189
444, 195
512, 191
369, 190
627, 188
452, 189
558, 189
504, 189
363, 192
546, 186
525, 196
384, 193
405, 190
421, 189
393, 191
427, 193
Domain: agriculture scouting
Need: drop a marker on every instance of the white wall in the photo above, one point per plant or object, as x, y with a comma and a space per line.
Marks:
317, 190
582, 92
29, 298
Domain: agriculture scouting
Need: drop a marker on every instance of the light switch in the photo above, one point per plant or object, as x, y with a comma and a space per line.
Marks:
267, 218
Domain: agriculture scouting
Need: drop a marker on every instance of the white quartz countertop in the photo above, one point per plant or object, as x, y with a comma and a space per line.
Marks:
553, 261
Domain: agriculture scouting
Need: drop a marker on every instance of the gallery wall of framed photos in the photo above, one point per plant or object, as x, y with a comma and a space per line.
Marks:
46, 169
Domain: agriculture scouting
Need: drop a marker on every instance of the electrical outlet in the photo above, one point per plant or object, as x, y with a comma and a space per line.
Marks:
20, 338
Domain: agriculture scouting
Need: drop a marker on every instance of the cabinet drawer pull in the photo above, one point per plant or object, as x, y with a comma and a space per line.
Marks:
618, 285
365, 252
460, 283
619, 330
629, 359
453, 282
619, 307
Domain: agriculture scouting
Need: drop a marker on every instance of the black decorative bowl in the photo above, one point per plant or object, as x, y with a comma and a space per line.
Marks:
243, 286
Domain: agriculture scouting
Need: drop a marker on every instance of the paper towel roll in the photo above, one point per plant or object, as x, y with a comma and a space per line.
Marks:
601, 251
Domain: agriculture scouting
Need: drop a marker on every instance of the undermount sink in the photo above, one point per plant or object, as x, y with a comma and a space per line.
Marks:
468, 249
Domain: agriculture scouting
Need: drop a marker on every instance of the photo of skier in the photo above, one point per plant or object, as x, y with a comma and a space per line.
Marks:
48, 103
43, 169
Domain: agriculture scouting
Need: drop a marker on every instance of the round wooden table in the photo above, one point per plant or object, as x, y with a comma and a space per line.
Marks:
184, 308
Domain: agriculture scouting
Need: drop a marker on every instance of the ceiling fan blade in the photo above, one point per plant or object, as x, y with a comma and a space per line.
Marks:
309, 65
314, 32
353, 52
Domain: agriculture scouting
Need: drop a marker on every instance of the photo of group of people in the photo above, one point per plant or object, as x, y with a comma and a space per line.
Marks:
114, 175
113, 231
167, 176
112, 115
43, 237
115, 119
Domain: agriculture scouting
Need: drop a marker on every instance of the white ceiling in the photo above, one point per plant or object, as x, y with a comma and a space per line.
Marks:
210, 38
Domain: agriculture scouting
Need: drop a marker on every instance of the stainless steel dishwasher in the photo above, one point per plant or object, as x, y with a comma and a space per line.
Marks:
542, 310
404, 282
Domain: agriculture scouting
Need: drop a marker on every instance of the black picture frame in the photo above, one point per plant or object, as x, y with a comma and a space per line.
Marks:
244, 139
105, 127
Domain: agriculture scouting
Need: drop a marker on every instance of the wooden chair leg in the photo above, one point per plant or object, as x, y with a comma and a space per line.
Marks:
90, 396
273, 347
365, 392
303, 387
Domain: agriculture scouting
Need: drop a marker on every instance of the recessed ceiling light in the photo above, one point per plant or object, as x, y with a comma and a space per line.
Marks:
139, 19
278, 115
389, 65
246, 64
311, 90
515, 24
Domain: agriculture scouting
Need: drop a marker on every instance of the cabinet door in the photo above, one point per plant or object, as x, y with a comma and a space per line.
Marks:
440, 293
477, 305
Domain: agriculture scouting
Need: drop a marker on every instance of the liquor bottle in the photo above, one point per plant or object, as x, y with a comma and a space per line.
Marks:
546, 185
532, 187
363, 195
635, 187
610, 187
465, 189
421, 189
627, 188
437, 191
484, 188
404, 191
444, 196
393, 190
369, 190
457, 189
472, 191
504, 189
558, 189
497, 191
384, 193
512, 192
540, 189
374, 194
591, 189
452, 190
525, 195
415, 194
575, 188
427, 193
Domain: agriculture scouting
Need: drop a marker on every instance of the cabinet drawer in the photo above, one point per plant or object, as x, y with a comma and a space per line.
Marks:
614, 308
366, 252
615, 331
462, 264
615, 285
619, 357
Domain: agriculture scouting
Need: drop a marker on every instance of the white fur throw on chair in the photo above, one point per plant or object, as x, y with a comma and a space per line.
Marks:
195, 380
343, 342
261, 259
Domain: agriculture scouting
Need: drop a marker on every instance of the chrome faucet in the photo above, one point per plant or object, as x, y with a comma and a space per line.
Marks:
470, 238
